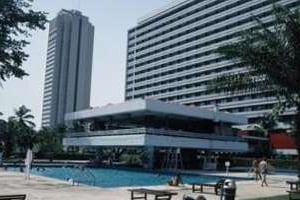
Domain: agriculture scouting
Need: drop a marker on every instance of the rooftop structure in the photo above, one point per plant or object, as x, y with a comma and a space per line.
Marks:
147, 107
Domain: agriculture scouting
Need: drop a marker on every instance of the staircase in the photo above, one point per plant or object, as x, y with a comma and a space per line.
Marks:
172, 159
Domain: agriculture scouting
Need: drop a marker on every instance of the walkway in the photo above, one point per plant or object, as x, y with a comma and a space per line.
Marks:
42, 188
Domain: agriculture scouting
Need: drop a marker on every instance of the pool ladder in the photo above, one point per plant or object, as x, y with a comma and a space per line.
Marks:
172, 159
83, 175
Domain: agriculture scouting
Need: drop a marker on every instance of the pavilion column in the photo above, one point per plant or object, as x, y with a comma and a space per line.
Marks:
148, 157
99, 154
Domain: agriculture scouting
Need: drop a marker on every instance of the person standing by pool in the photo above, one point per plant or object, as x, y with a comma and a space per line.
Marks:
263, 168
175, 180
256, 171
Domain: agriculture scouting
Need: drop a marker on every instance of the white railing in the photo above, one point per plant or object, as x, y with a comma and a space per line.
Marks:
82, 175
155, 131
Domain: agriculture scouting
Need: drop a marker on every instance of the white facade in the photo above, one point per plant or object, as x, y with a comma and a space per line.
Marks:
142, 134
171, 54
68, 67
139, 106
159, 141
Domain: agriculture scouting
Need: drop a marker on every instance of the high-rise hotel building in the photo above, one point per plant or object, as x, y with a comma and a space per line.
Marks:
68, 67
171, 53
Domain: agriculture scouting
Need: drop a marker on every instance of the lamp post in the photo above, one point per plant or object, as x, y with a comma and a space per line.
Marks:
227, 165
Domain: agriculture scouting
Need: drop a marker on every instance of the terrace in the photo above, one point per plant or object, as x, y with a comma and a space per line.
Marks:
155, 124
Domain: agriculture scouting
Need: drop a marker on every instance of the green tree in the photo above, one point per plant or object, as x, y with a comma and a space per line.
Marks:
24, 128
6, 139
10, 138
18, 131
17, 19
50, 140
271, 55
23, 117
2, 134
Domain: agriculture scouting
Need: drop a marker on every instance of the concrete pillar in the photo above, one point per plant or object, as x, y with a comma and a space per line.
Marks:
148, 157
99, 155
211, 161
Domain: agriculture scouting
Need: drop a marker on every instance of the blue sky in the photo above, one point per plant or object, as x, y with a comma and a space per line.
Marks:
112, 19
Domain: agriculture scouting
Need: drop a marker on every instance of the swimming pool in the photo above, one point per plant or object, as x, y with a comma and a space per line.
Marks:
103, 177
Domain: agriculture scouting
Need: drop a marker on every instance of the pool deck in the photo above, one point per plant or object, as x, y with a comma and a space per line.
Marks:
43, 188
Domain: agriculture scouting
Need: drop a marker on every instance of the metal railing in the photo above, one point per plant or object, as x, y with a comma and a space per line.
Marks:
155, 131
82, 175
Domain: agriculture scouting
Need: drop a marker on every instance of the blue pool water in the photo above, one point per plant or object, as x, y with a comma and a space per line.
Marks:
115, 177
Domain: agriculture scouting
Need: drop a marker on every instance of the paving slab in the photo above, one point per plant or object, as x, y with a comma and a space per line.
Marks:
44, 188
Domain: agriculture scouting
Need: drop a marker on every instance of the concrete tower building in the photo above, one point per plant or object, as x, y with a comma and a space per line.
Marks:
68, 68
171, 53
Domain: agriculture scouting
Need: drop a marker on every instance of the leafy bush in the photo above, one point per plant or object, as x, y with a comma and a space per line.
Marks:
131, 159
65, 156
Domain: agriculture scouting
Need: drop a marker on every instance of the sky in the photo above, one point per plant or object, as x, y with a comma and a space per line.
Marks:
112, 19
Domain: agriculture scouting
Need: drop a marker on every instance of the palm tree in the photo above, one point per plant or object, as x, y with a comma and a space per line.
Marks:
271, 55
18, 131
23, 127
23, 117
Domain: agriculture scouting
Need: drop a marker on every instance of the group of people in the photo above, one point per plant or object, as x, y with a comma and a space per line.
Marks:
260, 170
